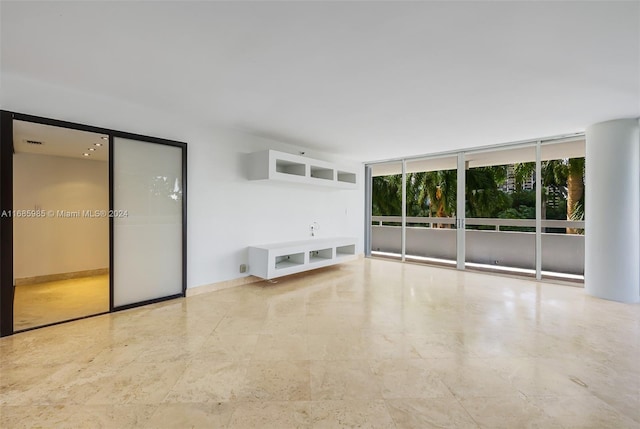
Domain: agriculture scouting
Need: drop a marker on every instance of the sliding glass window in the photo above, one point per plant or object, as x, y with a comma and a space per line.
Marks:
515, 209
431, 197
563, 209
386, 210
500, 210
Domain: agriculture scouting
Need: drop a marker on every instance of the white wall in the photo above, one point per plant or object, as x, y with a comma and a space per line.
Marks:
55, 244
226, 212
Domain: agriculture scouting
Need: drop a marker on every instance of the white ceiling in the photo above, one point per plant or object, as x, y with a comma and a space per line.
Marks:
57, 141
365, 80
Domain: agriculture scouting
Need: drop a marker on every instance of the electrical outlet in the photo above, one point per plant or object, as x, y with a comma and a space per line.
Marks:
243, 268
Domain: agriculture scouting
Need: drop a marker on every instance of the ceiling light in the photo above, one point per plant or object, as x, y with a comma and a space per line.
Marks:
104, 138
92, 149
97, 144
86, 154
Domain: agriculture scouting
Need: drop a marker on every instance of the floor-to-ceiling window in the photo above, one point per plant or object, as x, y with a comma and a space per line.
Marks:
500, 210
431, 208
386, 210
563, 186
514, 208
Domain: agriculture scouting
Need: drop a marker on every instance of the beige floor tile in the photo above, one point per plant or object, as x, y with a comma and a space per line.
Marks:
138, 383
350, 414
440, 345
208, 381
288, 306
62, 384
533, 378
328, 324
429, 413
228, 348
627, 405
337, 346
285, 325
248, 309
350, 379
281, 347
276, 381
43, 416
350, 346
192, 415
271, 415
76, 416
408, 378
243, 325
471, 378
389, 346
171, 348
508, 412
583, 412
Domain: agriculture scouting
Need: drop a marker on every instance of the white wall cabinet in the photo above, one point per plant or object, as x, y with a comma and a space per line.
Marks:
273, 260
285, 167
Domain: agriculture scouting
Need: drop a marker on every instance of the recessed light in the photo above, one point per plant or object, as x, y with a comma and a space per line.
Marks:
86, 154
92, 149
97, 144
104, 138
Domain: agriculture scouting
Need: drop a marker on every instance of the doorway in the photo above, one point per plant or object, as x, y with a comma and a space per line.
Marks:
60, 227
92, 220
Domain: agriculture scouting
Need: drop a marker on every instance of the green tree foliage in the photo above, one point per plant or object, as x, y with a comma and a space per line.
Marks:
484, 197
387, 195
565, 176
433, 193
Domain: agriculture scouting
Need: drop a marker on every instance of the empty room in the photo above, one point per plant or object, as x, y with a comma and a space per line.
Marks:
320, 214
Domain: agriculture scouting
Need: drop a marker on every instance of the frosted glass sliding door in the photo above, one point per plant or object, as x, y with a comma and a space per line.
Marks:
147, 221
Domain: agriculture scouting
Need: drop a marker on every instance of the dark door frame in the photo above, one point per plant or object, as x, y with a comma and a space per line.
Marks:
6, 207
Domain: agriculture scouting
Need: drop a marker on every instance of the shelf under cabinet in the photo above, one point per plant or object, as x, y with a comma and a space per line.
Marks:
280, 259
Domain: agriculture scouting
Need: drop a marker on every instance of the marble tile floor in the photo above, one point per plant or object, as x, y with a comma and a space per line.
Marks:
51, 302
369, 344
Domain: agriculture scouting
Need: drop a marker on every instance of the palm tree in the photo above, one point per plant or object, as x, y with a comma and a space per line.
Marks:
556, 174
386, 195
435, 191
575, 191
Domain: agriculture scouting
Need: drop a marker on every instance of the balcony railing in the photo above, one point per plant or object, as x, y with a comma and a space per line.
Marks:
435, 237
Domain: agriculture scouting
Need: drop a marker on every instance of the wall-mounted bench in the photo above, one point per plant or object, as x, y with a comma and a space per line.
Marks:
273, 260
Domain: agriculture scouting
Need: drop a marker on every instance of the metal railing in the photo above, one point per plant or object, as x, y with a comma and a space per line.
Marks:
435, 237
497, 222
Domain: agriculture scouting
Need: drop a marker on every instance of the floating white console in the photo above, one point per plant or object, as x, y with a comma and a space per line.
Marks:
269, 261
274, 165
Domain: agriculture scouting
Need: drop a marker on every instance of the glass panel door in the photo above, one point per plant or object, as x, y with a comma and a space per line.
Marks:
386, 210
60, 224
431, 189
501, 210
563, 209
147, 221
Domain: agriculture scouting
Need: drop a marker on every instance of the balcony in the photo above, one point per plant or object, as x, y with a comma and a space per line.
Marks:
433, 240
